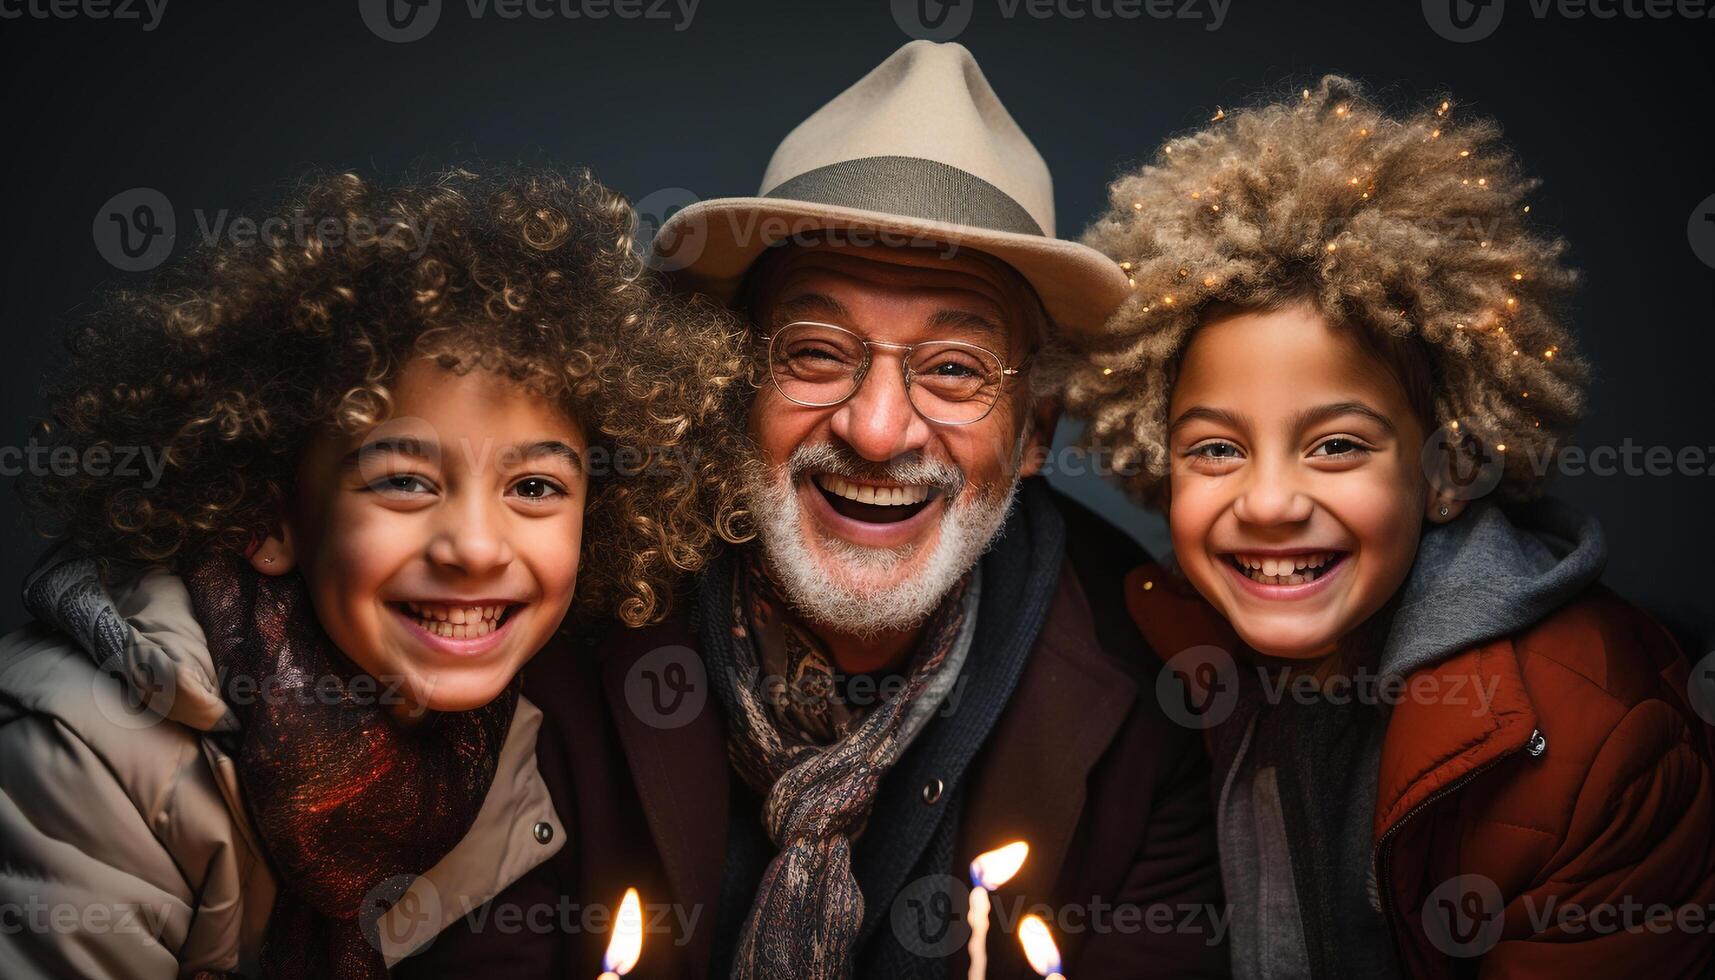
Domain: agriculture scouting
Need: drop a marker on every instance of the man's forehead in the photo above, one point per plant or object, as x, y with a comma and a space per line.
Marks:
814, 268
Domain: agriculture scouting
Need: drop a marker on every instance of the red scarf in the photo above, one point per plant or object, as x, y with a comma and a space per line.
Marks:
349, 805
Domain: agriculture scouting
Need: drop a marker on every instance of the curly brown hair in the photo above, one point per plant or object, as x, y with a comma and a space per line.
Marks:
231, 360
1412, 231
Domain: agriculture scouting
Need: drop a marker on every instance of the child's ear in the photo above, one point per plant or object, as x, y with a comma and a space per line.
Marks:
1442, 506
274, 555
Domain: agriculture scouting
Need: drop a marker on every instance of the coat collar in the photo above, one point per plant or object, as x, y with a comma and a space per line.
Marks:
677, 754
505, 842
1031, 778
1476, 712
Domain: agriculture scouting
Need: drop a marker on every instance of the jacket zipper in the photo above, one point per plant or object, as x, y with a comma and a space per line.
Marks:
1384, 847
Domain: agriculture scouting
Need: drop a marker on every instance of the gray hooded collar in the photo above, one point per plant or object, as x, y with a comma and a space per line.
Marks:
1488, 574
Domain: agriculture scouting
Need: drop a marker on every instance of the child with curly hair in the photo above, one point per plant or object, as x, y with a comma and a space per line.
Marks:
268, 714
1441, 746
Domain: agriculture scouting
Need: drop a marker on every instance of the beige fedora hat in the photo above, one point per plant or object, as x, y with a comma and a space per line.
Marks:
919, 151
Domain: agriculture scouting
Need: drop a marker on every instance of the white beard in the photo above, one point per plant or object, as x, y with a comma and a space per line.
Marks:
857, 596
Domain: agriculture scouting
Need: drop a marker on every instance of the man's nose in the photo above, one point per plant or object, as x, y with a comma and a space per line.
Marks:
471, 539
877, 420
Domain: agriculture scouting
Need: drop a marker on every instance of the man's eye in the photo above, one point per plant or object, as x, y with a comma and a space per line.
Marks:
402, 483
537, 488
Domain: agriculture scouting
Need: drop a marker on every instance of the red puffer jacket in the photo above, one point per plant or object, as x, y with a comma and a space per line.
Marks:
1569, 831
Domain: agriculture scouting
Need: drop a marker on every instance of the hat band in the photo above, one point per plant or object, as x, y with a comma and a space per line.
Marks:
911, 187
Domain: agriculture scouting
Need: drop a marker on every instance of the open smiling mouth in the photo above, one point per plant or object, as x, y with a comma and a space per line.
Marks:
1286, 569
874, 504
457, 622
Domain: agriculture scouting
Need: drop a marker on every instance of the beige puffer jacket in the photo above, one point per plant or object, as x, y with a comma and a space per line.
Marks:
124, 848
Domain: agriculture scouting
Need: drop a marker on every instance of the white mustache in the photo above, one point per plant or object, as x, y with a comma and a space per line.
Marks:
912, 469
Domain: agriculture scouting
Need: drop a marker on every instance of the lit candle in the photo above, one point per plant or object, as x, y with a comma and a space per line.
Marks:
1039, 947
626, 945
989, 871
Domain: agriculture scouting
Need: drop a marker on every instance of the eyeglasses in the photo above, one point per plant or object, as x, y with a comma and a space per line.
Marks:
819, 365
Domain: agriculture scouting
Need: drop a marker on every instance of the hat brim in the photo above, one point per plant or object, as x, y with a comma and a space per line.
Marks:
710, 245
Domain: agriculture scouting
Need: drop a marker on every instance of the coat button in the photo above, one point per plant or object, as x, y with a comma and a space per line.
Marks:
932, 791
544, 831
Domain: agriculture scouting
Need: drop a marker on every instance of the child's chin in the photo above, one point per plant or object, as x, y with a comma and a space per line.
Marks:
463, 694
1288, 644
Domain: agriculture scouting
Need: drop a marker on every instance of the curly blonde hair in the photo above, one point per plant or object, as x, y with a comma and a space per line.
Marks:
229, 362
1412, 231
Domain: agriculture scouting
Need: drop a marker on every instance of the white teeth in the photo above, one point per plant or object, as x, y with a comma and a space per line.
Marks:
879, 496
457, 622
1286, 570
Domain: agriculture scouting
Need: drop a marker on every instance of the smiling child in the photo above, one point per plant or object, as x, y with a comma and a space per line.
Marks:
1441, 747
271, 691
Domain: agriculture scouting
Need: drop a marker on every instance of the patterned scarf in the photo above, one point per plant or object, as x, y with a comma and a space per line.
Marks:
817, 763
349, 805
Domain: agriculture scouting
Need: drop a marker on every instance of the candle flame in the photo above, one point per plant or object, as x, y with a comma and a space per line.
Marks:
995, 868
626, 946
1039, 946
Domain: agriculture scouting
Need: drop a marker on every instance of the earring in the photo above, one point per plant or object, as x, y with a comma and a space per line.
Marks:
1442, 512
270, 561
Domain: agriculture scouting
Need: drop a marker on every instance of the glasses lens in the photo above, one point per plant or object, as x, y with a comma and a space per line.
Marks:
954, 383
815, 364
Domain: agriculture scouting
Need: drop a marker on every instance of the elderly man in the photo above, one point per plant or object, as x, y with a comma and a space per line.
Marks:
925, 655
